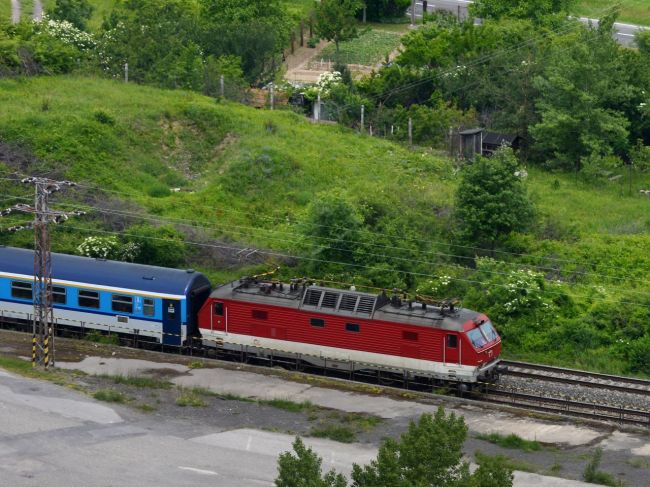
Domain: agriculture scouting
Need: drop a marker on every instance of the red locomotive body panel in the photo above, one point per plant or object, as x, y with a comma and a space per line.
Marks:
250, 320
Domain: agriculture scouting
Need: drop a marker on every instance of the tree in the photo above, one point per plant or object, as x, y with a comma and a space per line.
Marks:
335, 20
430, 453
159, 41
304, 469
587, 95
77, 12
377, 10
535, 10
334, 224
491, 200
255, 31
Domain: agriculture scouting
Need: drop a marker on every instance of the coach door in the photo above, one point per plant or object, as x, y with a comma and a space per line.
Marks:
171, 322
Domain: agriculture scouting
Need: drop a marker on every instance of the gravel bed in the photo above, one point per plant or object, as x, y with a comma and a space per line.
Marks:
588, 395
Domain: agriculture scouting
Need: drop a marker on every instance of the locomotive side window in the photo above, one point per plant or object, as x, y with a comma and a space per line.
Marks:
122, 303
410, 335
258, 314
21, 290
317, 322
218, 309
59, 295
148, 308
352, 327
89, 299
452, 341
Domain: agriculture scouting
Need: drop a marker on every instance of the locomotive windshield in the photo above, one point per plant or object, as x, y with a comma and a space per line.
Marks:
482, 335
477, 338
489, 331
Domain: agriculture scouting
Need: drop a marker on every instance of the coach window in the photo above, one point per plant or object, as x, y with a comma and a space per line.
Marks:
218, 309
148, 307
89, 299
317, 322
122, 303
352, 327
59, 295
258, 314
410, 335
452, 341
21, 290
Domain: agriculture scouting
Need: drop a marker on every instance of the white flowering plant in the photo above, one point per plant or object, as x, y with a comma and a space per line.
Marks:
108, 248
65, 32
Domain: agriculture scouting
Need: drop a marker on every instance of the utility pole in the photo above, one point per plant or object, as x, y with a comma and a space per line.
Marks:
412, 13
43, 318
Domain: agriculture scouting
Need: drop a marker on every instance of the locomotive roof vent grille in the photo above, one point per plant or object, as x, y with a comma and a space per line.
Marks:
330, 299
366, 304
312, 297
348, 302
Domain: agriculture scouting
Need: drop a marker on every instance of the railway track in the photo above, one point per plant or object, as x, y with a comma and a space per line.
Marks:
496, 393
629, 385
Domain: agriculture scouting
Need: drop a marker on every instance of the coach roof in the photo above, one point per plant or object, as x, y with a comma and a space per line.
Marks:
99, 272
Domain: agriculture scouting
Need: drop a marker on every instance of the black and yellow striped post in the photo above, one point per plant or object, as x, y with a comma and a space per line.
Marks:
46, 351
34, 351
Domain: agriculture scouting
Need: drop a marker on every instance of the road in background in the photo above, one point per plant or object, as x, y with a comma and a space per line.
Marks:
624, 32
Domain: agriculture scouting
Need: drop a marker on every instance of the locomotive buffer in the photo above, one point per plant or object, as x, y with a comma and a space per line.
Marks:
43, 318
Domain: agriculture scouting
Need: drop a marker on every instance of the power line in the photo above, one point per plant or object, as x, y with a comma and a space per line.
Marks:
348, 264
229, 229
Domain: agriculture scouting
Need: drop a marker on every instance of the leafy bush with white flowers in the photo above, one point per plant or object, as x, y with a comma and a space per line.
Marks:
66, 32
108, 248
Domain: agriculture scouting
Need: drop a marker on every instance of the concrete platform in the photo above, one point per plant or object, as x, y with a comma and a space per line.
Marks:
258, 386
80, 442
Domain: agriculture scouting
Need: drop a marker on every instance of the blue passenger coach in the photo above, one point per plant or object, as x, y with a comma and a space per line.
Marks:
99, 294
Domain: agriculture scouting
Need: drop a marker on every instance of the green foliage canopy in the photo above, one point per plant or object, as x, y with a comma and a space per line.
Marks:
77, 12
491, 200
520, 9
335, 20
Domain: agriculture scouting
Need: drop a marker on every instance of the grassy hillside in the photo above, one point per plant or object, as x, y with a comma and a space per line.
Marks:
247, 176
632, 11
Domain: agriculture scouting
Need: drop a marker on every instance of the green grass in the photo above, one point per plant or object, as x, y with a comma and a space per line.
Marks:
98, 337
287, 405
512, 463
632, 11
512, 441
5, 10
342, 434
191, 397
110, 395
140, 382
369, 48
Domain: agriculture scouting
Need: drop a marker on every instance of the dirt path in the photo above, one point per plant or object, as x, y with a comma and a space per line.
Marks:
15, 11
38, 10
297, 63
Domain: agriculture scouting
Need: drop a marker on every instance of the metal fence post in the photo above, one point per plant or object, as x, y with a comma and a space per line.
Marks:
222, 87
410, 131
126, 72
363, 109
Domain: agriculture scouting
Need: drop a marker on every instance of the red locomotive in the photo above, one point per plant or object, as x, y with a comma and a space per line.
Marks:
350, 330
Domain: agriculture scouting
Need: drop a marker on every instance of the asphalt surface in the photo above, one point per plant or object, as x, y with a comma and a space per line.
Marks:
624, 32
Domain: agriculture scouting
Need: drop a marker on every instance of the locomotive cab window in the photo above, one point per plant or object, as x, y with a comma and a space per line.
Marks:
122, 304
452, 341
259, 314
148, 307
218, 309
352, 327
59, 295
21, 290
317, 322
89, 299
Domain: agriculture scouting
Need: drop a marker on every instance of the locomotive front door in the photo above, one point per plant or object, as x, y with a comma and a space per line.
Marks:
171, 322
